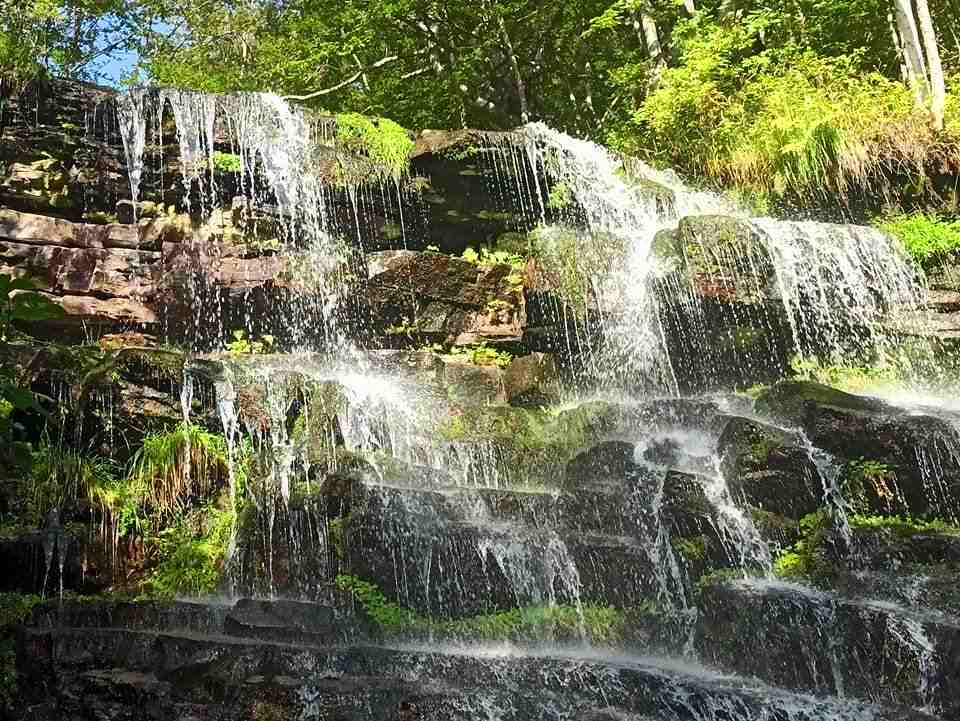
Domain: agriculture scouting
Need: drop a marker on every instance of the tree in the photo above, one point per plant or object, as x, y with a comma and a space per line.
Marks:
921, 63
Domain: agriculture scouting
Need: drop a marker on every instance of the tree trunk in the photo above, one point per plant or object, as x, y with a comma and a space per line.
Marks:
515, 66
912, 52
690, 7
651, 38
895, 36
938, 91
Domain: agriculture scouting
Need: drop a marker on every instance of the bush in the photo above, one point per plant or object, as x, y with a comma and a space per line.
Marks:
783, 120
928, 239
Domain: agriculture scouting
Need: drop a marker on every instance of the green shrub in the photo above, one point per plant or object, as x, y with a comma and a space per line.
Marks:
175, 467
383, 141
782, 120
929, 240
191, 562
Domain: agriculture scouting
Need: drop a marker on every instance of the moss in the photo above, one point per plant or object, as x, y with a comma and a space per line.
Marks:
570, 261
903, 527
601, 624
535, 444
385, 143
693, 549
14, 609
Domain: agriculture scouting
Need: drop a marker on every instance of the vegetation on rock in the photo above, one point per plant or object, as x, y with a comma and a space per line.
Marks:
930, 240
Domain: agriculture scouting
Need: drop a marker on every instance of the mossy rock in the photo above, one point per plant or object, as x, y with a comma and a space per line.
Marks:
790, 401
769, 468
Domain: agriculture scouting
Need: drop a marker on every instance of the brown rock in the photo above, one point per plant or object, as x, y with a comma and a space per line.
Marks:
531, 380
113, 309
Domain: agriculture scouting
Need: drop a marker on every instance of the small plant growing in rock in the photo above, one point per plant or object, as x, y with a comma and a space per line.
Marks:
488, 258
482, 355
226, 162
405, 327
241, 345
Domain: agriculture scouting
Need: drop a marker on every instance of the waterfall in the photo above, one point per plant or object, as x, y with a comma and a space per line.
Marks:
131, 115
835, 284
615, 199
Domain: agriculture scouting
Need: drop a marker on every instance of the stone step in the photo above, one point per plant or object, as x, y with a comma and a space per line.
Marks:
122, 675
818, 642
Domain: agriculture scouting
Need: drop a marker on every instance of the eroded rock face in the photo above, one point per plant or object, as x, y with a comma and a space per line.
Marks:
769, 468
916, 452
445, 297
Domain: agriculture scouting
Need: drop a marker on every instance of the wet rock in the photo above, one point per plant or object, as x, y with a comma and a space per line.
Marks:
724, 257
531, 380
769, 468
470, 384
445, 297
917, 453
606, 464
283, 620
817, 642
110, 674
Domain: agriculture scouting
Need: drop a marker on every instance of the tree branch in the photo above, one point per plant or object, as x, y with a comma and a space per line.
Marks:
352, 79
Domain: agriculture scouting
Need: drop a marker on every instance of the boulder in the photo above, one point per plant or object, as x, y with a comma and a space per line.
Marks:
918, 453
769, 468
445, 297
283, 620
531, 380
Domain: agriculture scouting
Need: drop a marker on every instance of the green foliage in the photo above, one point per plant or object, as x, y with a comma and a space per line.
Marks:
404, 327
902, 526
177, 467
14, 609
383, 141
481, 354
191, 560
851, 379
784, 119
559, 197
929, 240
63, 37
869, 483
800, 560
692, 548
241, 345
601, 624
227, 162
384, 613
488, 258
60, 477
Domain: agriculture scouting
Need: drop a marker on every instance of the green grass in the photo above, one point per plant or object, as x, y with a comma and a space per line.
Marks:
928, 239
177, 466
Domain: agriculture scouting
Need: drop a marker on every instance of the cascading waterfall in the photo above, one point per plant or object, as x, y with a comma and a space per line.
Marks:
131, 113
375, 428
634, 351
837, 281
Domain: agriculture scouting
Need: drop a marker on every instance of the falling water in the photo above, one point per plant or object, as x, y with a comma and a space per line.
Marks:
837, 282
635, 351
131, 113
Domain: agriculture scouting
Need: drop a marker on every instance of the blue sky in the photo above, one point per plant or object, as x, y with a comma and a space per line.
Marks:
116, 68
